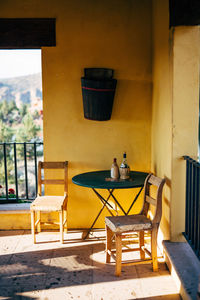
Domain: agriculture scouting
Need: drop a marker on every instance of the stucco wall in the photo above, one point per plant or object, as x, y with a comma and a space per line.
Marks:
162, 106
186, 50
112, 34
175, 112
98, 34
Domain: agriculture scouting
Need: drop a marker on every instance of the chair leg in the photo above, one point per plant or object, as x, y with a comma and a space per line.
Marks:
39, 224
33, 225
141, 244
154, 234
118, 241
108, 243
65, 220
61, 226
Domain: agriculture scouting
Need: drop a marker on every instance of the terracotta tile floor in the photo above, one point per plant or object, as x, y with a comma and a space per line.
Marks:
74, 270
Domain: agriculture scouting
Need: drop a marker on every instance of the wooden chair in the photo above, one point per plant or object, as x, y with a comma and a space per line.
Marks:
50, 203
118, 227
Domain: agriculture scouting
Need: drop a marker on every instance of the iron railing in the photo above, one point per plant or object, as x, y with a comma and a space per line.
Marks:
192, 211
18, 171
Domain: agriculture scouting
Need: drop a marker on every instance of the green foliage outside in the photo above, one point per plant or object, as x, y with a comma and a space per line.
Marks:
17, 125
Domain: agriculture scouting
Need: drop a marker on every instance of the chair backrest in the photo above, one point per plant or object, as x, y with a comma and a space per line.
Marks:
52, 165
157, 201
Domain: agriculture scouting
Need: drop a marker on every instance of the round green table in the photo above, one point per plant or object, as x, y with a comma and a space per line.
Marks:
101, 180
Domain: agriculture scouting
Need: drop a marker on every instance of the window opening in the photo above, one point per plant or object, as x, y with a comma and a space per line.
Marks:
21, 124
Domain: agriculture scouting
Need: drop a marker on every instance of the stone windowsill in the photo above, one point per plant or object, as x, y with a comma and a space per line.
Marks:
15, 208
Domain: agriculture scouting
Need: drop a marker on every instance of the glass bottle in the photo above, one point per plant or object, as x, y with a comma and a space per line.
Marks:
124, 169
114, 172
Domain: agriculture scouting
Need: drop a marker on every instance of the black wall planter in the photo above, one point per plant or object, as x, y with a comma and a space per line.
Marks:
98, 89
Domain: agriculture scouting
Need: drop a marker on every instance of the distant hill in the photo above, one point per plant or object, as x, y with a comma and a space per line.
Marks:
23, 89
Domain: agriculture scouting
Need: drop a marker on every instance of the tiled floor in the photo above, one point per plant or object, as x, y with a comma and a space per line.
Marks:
74, 270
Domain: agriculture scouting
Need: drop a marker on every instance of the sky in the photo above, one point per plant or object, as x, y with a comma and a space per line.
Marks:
15, 63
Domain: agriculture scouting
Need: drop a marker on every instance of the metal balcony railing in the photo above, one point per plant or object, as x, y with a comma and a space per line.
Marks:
18, 171
192, 212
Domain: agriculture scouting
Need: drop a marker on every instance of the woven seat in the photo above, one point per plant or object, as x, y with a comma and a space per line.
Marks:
48, 203
128, 223
118, 227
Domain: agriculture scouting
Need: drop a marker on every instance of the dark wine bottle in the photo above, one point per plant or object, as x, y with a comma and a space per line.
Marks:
124, 169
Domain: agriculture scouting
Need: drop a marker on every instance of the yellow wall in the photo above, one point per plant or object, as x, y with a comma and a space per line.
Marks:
112, 34
175, 112
98, 34
162, 106
14, 220
186, 50
119, 35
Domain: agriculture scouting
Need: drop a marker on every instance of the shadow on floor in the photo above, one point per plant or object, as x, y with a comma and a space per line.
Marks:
32, 269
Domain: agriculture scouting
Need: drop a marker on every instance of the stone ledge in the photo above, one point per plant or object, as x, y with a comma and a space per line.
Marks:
15, 208
184, 267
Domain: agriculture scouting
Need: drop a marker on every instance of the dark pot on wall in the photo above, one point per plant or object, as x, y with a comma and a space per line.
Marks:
98, 90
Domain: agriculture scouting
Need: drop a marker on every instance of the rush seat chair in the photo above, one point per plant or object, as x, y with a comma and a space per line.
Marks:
46, 203
118, 227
